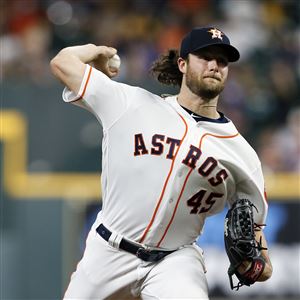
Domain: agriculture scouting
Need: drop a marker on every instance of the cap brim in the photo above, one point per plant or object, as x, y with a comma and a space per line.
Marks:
231, 52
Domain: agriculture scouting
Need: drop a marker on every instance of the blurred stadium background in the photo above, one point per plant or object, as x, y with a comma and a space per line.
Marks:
50, 151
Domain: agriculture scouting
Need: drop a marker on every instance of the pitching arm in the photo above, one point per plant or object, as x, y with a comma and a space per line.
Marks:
69, 64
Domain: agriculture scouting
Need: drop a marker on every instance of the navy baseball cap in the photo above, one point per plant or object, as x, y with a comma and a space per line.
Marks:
201, 37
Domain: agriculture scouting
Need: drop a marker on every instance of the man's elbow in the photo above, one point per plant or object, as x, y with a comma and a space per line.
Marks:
60, 64
56, 65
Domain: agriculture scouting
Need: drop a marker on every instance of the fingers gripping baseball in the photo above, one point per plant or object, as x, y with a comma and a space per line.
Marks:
106, 61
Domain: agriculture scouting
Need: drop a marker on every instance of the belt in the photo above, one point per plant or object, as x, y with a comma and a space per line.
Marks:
150, 255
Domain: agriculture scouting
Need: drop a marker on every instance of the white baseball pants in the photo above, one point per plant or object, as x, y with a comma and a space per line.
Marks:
107, 273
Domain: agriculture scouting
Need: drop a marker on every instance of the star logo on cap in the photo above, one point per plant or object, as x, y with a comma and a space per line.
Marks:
216, 34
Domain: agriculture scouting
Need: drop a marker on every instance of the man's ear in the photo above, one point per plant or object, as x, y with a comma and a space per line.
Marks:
182, 65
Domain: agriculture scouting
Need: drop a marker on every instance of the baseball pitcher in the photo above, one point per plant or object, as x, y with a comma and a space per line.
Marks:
168, 164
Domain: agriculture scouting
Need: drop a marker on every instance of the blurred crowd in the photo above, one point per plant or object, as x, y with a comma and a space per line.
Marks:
262, 95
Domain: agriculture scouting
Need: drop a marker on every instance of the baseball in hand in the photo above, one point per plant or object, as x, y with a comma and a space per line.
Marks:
114, 62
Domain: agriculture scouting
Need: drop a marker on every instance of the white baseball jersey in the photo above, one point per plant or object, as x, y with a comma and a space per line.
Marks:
163, 173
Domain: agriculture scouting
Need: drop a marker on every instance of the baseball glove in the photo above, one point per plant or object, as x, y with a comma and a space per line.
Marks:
240, 244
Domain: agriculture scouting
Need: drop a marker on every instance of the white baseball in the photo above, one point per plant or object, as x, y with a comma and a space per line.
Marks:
114, 62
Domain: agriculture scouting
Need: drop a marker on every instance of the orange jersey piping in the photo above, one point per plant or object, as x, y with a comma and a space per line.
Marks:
165, 184
186, 179
85, 86
217, 136
175, 209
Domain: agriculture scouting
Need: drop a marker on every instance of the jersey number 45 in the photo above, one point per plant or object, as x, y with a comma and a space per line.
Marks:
201, 202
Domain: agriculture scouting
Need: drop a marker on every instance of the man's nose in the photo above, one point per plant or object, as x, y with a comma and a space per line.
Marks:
213, 64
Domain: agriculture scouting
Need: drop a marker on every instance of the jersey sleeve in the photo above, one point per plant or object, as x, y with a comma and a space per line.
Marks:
108, 100
253, 189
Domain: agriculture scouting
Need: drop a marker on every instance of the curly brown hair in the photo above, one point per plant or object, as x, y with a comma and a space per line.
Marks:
165, 68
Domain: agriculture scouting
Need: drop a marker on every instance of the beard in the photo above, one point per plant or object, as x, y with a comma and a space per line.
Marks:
203, 88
